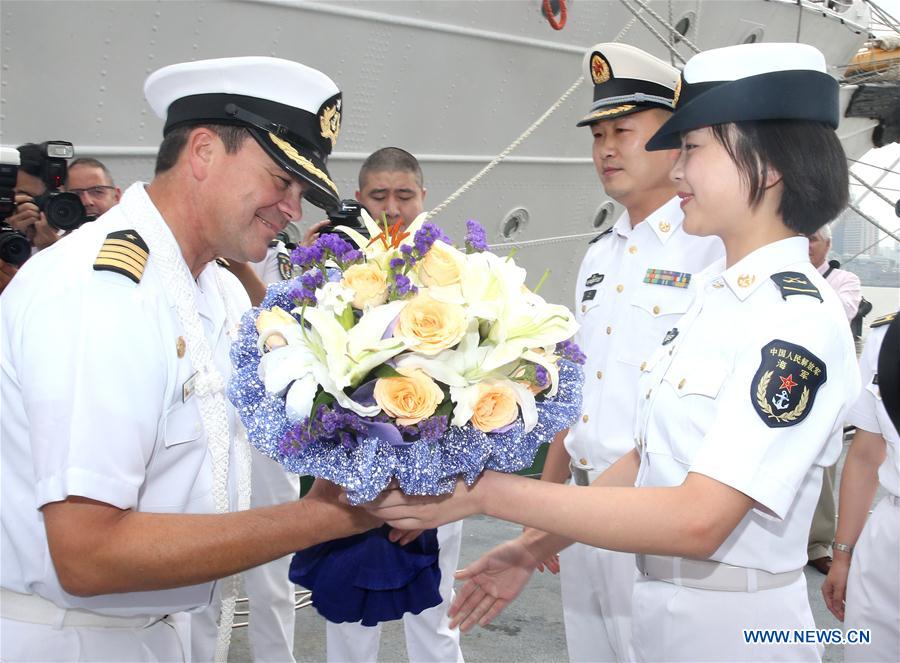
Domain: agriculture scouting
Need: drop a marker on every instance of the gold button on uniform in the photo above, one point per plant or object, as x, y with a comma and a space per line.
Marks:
583, 461
583, 308
608, 331
649, 391
180, 346
620, 288
643, 365
632, 249
599, 375
585, 418
655, 310
681, 383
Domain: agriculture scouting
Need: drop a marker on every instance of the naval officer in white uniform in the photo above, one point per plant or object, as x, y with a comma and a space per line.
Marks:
866, 568
634, 283
740, 407
121, 464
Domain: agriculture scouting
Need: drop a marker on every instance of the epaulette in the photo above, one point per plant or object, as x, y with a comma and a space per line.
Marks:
883, 320
605, 232
125, 253
795, 283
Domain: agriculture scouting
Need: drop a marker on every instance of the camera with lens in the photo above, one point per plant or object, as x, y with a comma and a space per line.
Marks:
14, 246
347, 215
63, 210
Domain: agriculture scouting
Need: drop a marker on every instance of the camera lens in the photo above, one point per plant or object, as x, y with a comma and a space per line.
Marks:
64, 210
14, 248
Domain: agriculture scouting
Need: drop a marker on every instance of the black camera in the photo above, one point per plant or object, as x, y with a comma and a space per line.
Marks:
347, 215
64, 211
14, 246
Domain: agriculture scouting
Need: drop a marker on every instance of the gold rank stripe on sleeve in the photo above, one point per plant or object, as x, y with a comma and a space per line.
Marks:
123, 252
883, 320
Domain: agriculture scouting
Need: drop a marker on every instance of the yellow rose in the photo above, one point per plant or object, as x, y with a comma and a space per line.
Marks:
495, 408
431, 325
266, 321
368, 283
408, 398
441, 266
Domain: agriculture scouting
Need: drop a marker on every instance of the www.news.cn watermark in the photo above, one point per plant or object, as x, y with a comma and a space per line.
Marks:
821, 636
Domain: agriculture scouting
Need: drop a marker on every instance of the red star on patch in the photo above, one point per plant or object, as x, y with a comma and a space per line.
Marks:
787, 382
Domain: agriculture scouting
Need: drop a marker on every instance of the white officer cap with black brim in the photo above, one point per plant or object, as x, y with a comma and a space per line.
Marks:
750, 82
293, 111
627, 80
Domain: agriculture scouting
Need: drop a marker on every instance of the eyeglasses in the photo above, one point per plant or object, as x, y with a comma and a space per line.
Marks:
93, 191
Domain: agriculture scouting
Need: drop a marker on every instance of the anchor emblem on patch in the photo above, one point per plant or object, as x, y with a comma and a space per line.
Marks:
785, 384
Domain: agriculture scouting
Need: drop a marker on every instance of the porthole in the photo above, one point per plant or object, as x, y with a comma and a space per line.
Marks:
514, 223
603, 216
683, 26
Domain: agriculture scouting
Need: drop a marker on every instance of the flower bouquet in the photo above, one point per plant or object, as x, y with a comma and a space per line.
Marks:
398, 357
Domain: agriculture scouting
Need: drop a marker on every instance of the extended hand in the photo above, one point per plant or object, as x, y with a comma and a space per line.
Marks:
417, 512
834, 589
494, 581
313, 233
348, 519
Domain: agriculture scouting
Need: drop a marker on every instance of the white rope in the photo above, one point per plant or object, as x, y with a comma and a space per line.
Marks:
653, 31
500, 157
209, 384
668, 25
544, 240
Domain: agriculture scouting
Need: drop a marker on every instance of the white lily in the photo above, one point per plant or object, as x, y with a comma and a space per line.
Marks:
528, 323
380, 251
488, 283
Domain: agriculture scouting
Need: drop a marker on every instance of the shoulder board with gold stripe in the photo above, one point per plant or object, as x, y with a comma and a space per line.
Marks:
125, 253
883, 320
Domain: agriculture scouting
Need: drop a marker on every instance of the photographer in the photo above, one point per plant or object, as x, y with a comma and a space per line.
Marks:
28, 219
91, 181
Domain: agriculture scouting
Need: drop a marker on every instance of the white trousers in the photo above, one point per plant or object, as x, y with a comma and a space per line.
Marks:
164, 642
873, 587
672, 623
429, 638
596, 589
268, 589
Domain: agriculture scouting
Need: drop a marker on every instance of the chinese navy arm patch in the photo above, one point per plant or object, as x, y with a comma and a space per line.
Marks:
795, 283
785, 384
124, 252
285, 267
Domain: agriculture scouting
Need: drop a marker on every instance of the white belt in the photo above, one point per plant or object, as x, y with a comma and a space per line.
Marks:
706, 574
35, 609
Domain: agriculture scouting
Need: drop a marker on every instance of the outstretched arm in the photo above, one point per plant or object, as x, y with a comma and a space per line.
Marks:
859, 481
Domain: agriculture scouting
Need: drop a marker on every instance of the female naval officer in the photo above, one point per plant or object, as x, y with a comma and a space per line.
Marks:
740, 407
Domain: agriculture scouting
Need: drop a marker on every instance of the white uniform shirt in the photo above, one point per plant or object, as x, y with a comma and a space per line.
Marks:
624, 316
868, 412
276, 266
742, 355
94, 403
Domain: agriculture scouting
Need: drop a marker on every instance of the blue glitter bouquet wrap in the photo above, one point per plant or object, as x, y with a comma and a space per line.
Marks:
398, 357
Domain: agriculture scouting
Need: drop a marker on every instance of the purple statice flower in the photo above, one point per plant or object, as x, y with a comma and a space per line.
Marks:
570, 350
397, 263
403, 286
433, 427
352, 256
297, 438
475, 237
340, 248
307, 256
305, 294
541, 377
427, 235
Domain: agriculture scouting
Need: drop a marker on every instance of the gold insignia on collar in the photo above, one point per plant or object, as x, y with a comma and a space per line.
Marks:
600, 72
123, 252
665, 226
677, 92
330, 122
746, 280
291, 153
